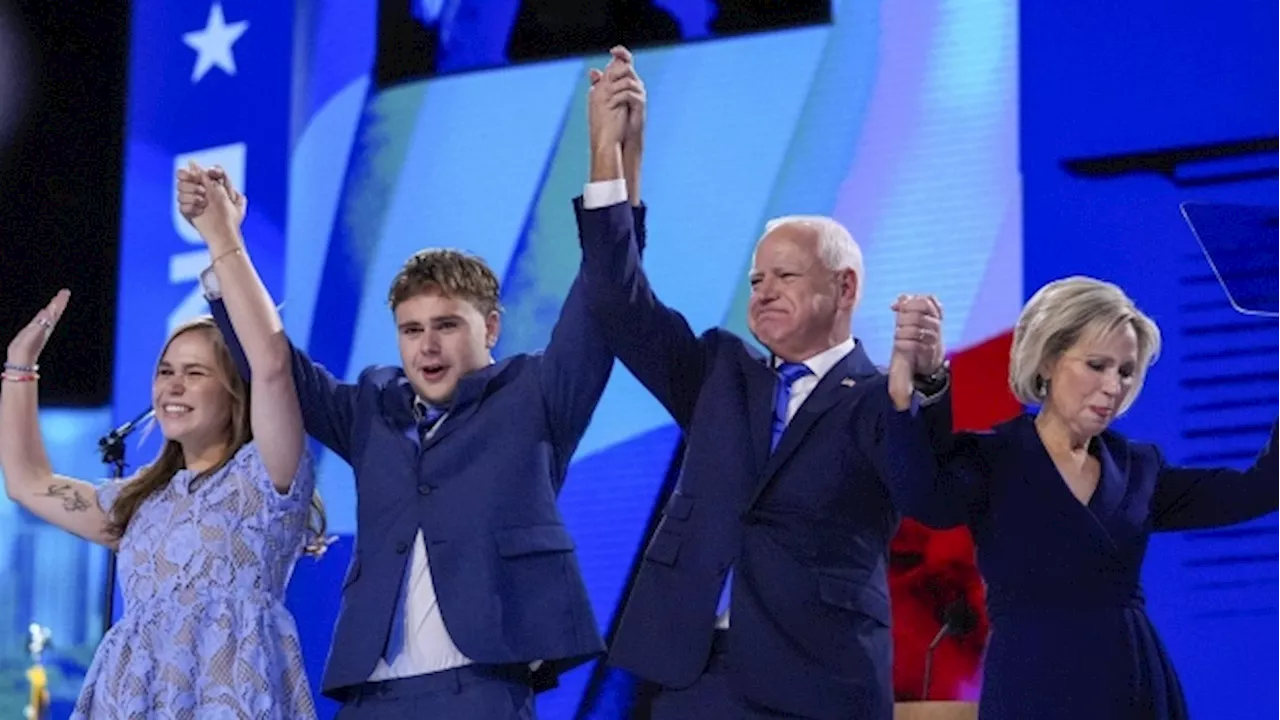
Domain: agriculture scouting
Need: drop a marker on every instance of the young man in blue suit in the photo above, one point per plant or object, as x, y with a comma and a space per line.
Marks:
784, 509
464, 595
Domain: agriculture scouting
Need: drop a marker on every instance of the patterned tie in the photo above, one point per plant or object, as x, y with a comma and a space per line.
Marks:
788, 374
395, 638
428, 420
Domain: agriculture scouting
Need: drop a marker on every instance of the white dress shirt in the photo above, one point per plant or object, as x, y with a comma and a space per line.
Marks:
819, 365
801, 389
427, 647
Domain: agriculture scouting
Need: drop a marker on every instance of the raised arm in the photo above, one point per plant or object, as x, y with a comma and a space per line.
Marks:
931, 477
577, 361
653, 341
216, 210
328, 405
29, 479
1190, 498
935, 477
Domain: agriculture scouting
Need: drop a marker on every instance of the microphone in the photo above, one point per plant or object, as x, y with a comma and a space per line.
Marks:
111, 445
957, 619
124, 430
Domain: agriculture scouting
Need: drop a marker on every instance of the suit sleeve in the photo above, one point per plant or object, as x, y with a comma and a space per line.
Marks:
577, 362
935, 476
328, 405
1190, 498
653, 341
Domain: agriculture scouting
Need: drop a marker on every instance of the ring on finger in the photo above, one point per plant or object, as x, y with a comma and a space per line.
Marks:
44, 323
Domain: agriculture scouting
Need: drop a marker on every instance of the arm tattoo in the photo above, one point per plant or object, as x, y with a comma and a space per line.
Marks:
72, 500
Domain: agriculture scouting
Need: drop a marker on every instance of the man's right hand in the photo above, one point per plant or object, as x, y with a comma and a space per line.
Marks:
606, 118
636, 99
630, 91
612, 92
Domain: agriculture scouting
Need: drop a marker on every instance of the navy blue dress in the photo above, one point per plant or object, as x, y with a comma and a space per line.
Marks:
1070, 638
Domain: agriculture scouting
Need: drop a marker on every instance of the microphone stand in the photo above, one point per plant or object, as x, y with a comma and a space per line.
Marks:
928, 657
111, 446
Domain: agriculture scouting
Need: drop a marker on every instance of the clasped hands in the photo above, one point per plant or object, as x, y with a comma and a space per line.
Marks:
616, 104
917, 344
210, 202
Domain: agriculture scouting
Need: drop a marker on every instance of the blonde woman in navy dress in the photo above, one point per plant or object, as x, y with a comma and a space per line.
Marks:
1061, 508
207, 534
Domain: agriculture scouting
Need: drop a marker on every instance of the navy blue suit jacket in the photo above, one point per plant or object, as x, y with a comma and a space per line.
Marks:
482, 490
806, 528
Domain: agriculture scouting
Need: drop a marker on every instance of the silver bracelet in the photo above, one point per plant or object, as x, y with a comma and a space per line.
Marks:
21, 368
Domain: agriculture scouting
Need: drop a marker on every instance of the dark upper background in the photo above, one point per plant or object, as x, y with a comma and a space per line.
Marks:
418, 38
60, 177
61, 141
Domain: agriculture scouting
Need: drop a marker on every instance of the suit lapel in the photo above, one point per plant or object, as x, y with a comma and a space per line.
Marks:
843, 382
762, 383
396, 401
1112, 484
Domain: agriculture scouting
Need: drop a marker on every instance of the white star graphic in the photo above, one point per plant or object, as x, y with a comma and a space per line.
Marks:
213, 43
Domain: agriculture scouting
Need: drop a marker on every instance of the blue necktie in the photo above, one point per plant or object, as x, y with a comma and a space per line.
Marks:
788, 374
429, 418
395, 638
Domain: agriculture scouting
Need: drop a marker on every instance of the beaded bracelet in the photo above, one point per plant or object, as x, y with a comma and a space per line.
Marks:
21, 368
24, 377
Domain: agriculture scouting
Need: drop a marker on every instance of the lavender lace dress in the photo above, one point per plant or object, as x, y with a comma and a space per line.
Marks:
205, 634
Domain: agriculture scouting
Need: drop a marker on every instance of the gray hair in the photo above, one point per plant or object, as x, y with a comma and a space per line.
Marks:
836, 247
1055, 319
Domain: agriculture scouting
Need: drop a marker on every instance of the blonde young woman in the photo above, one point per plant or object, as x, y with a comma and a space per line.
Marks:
208, 533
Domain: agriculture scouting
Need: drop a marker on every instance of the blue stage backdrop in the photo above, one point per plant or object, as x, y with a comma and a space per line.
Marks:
898, 118
51, 577
901, 119
1105, 81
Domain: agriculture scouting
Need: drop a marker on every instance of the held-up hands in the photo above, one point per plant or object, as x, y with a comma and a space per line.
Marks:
917, 344
26, 346
616, 104
208, 200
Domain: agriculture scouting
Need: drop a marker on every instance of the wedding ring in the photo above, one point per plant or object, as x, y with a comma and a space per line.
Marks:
920, 335
44, 323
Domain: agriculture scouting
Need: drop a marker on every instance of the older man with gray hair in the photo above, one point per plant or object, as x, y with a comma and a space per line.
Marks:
787, 500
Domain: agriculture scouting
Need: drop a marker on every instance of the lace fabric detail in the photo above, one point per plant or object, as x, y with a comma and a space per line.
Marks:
203, 567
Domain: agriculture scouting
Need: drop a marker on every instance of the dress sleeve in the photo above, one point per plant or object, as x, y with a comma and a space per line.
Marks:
300, 490
107, 491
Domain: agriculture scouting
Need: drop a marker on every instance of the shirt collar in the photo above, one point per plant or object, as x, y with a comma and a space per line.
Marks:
420, 408
822, 363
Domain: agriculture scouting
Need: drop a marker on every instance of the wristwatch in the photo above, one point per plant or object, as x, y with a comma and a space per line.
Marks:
934, 383
209, 283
